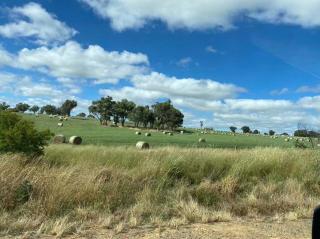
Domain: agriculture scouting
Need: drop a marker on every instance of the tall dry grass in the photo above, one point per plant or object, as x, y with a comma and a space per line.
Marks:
117, 187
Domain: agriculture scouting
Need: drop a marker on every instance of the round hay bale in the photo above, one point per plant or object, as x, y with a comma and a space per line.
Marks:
76, 140
170, 134
142, 145
287, 140
181, 132
59, 139
164, 132
138, 133
202, 140
147, 134
60, 124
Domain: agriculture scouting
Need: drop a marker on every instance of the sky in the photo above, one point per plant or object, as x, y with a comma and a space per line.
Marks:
232, 62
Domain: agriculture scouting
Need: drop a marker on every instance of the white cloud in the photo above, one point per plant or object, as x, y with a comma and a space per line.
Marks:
204, 14
71, 84
309, 89
184, 62
31, 20
186, 87
211, 49
73, 61
279, 91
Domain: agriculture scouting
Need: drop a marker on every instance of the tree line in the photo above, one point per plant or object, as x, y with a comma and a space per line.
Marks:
64, 109
160, 115
106, 110
246, 130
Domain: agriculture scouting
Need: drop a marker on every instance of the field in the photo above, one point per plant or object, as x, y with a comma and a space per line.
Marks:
77, 190
93, 133
238, 186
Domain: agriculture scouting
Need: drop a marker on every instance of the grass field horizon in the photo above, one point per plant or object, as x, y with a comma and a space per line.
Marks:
93, 133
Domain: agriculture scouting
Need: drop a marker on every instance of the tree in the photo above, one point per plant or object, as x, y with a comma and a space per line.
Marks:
166, 116
81, 115
4, 106
137, 115
246, 129
256, 131
271, 132
201, 124
20, 136
22, 107
34, 109
233, 129
175, 118
102, 109
50, 110
122, 109
68, 106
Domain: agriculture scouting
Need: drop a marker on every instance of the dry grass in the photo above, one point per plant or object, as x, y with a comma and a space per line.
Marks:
116, 187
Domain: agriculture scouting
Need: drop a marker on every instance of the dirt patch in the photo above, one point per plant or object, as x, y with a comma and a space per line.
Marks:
229, 230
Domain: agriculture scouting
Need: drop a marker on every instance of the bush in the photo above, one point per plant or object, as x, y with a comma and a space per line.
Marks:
20, 136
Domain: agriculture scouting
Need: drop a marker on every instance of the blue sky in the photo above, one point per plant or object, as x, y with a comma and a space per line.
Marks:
227, 63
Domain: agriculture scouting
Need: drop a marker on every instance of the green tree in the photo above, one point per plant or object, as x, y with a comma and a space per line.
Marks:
20, 136
166, 116
102, 109
34, 109
271, 132
49, 109
233, 129
137, 115
246, 129
4, 106
68, 106
81, 115
256, 131
122, 109
22, 107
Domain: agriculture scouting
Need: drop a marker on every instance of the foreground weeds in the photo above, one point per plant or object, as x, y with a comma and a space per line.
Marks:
71, 188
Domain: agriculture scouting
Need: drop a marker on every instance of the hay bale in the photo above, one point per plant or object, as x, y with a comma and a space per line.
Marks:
76, 140
181, 132
147, 134
142, 145
138, 133
170, 134
287, 140
164, 132
202, 140
59, 139
60, 124
60, 118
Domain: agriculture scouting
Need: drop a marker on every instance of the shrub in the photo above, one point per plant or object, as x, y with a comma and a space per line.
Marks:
20, 136
23, 192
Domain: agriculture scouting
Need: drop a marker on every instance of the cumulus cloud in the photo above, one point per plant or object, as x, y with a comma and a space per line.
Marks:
31, 20
25, 86
204, 14
73, 61
157, 85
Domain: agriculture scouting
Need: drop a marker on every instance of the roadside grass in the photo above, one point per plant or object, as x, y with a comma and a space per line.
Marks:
73, 187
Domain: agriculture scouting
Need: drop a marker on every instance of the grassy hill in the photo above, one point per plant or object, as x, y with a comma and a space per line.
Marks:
93, 133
